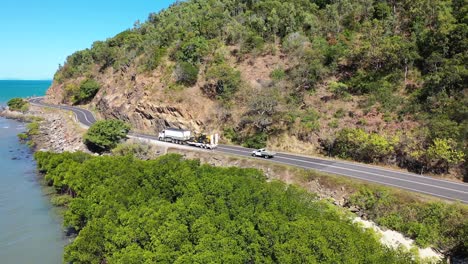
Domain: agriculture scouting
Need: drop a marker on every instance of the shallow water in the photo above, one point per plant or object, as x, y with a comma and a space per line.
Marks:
30, 229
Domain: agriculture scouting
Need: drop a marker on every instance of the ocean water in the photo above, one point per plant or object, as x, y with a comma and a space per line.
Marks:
11, 88
30, 228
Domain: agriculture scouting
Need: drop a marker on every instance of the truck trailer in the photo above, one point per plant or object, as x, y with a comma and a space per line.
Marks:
185, 137
175, 135
204, 141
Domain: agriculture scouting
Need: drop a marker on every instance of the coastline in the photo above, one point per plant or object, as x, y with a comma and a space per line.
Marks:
30, 226
59, 132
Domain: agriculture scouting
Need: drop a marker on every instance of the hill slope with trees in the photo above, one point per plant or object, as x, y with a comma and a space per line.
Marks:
373, 81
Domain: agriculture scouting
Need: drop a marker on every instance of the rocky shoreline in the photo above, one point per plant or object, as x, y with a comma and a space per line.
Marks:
57, 131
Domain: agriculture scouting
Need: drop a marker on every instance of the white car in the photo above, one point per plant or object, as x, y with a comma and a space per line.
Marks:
263, 153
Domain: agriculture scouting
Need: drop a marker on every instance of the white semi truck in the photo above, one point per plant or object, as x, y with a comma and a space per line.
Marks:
174, 135
185, 137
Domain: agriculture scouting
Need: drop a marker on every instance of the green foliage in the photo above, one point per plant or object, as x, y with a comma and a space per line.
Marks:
362, 146
437, 224
192, 50
18, 104
31, 130
87, 90
252, 42
230, 134
136, 149
278, 74
186, 73
255, 140
104, 135
295, 42
340, 113
444, 153
340, 90
310, 120
223, 81
155, 58
172, 210
333, 124
258, 140
82, 93
60, 200
22, 136
309, 71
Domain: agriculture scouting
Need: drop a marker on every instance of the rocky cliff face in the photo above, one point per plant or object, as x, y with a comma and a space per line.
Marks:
146, 103
151, 102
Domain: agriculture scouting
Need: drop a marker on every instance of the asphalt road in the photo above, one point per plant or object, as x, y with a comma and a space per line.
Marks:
403, 180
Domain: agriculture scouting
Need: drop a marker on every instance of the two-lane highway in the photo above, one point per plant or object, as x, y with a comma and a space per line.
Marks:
404, 180
83, 116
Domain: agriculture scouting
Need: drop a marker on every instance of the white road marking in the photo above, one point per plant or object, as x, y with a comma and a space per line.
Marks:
363, 179
360, 165
364, 172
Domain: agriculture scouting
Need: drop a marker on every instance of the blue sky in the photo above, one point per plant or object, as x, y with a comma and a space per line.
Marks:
35, 36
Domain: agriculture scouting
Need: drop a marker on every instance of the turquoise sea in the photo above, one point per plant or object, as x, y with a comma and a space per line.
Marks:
11, 88
30, 229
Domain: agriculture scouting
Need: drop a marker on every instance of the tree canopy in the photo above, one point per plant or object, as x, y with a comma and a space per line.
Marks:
104, 135
18, 104
171, 210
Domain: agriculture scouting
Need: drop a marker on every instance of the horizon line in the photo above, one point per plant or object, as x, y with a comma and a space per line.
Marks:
21, 79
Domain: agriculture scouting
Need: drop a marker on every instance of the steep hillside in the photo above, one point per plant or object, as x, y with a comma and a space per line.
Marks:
373, 81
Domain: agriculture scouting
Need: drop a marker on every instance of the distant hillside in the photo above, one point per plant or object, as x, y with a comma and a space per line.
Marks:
373, 81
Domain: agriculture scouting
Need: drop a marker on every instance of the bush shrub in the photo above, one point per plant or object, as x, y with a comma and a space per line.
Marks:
105, 134
23, 136
256, 141
278, 74
362, 146
224, 79
137, 149
442, 153
186, 73
33, 128
252, 42
18, 104
192, 50
87, 90
340, 90
155, 59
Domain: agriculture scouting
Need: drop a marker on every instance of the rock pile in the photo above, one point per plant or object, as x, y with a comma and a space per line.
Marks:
58, 136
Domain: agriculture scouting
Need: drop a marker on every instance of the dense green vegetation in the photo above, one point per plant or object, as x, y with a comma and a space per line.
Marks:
359, 145
439, 224
18, 104
171, 210
104, 135
82, 93
405, 59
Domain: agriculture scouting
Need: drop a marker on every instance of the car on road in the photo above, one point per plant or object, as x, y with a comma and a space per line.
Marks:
263, 153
